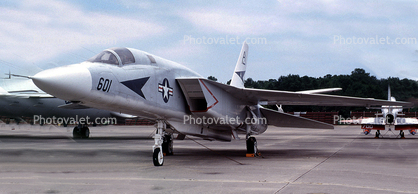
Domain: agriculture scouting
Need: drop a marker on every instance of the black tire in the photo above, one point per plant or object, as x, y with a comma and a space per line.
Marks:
168, 145
252, 145
85, 133
76, 133
158, 157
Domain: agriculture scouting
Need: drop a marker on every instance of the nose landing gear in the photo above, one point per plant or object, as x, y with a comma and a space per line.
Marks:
163, 144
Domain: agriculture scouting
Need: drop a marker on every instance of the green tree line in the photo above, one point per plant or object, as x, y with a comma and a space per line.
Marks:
358, 84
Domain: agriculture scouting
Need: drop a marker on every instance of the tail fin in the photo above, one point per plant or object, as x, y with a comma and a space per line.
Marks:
238, 76
389, 94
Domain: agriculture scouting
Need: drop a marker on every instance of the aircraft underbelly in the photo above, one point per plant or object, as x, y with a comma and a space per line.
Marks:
201, 131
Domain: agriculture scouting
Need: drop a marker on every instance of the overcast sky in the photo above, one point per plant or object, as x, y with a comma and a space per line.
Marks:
311, 38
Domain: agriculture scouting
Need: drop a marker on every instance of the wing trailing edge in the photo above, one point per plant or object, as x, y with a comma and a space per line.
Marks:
280, 119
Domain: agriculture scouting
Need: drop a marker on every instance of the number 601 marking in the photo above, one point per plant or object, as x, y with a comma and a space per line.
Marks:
104, 84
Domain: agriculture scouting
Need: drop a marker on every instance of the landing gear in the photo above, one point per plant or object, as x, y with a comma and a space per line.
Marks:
168, 145
251, 147
81, 131
163, 144
377, 134
158, 157
250, 141
402, 134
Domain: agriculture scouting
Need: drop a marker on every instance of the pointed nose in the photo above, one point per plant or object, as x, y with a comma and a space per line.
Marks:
72, 83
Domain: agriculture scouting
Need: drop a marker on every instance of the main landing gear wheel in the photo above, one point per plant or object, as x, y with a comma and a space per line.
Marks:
158, 157
251, 147
81, 132
85, 131
377, 134
402, 134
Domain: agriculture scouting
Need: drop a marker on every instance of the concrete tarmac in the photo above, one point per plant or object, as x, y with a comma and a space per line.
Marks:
118, 159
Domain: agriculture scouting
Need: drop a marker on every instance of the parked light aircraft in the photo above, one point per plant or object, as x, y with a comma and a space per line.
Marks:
21, 98
390, 120
180, 100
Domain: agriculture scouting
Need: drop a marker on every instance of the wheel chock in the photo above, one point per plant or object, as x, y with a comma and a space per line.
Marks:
250, 155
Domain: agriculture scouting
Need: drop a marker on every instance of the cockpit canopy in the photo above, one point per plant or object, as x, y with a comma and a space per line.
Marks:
114, 56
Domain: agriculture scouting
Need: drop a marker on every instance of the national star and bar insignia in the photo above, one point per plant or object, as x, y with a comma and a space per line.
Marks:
165, 89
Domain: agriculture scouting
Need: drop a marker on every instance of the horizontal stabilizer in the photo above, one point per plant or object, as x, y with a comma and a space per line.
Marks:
280, 119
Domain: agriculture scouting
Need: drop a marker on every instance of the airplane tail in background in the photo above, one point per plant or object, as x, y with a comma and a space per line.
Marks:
389, 94
238, 76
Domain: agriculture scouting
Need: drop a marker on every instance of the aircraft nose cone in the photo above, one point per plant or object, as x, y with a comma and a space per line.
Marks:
72, 83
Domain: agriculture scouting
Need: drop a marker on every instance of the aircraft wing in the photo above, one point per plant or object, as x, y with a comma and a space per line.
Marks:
272, 97
280, 119
73, 106
29, 94
378, 123
373, 121
24, 94
318, 91
408, 121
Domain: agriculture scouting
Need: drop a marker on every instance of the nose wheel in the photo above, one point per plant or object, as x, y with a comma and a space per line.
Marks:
158, 157
163, 144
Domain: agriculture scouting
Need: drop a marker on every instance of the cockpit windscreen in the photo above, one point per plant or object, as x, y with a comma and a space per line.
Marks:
108, 57
125, 55
105, 57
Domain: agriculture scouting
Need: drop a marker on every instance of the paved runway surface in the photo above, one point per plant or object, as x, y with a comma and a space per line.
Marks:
118, 159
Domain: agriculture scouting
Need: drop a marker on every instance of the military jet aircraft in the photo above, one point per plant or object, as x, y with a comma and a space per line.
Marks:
389, 119
180, 100
19, 97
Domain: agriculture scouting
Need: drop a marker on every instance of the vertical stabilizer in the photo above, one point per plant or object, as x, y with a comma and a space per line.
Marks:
389, 94
238, 76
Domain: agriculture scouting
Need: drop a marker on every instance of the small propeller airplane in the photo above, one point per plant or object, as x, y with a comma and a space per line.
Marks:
389, 119
181, 101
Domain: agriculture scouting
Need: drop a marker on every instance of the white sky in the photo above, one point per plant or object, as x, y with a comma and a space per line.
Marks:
294, 37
